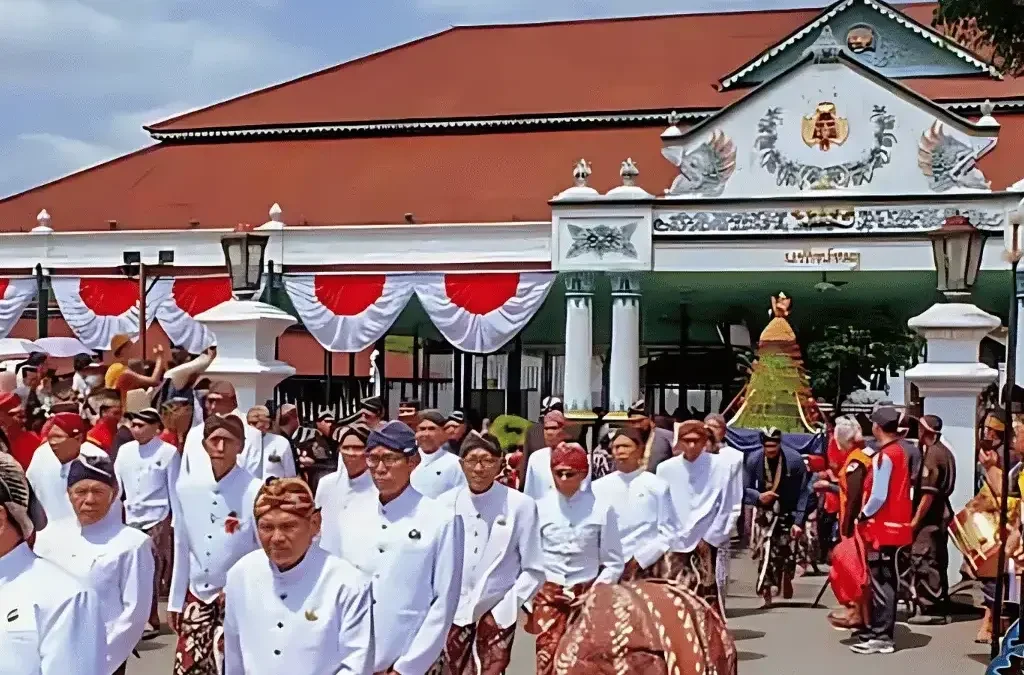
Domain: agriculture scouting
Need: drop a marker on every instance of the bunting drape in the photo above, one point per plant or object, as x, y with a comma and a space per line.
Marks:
15, 295
98, 308
477, 312
185, 298
480, 313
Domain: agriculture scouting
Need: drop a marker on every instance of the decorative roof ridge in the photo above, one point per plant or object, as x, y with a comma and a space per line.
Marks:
494, 124
841, 6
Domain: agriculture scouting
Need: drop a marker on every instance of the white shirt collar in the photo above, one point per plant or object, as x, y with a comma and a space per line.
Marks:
490, 496
632, 475
400, 505
15, 561
431, 457
299, 571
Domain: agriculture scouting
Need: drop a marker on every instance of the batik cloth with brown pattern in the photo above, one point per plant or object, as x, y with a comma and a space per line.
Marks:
634, 572
693, 570
553, 608
200, 648
650, 627
774, 550
484, 641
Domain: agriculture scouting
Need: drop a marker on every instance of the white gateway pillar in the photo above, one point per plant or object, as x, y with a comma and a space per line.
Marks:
579, 343
624, 370
246, 335
950, 381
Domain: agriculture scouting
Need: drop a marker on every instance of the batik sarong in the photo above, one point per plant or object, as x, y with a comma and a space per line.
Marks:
553, 608
694, 571
200, 648
163, 555
645, 628
481, 648
634, 572
773, 550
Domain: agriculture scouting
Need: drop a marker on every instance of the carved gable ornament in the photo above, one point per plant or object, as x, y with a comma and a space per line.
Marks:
831, 124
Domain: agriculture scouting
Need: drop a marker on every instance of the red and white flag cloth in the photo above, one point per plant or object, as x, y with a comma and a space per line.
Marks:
184, 299
481, 312
348, 312
15, 294
98, 308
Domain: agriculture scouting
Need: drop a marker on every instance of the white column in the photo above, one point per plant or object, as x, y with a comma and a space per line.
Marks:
579, 343
950, 381
624, 370
246, 335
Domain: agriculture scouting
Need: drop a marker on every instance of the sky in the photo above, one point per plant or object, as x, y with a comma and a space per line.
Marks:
79, 78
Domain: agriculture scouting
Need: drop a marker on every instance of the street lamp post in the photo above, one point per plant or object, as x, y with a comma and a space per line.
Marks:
957, 247
134, 267
243, 254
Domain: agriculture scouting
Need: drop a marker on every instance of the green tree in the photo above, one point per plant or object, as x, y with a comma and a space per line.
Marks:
840, 357
993, 29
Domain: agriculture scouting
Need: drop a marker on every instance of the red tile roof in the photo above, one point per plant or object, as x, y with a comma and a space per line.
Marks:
663, 62
441, 179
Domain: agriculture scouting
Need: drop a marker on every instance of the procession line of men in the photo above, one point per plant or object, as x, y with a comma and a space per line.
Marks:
417, 561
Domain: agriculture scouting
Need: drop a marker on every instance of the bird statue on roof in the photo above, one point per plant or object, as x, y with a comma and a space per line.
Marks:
706, 169
948, 162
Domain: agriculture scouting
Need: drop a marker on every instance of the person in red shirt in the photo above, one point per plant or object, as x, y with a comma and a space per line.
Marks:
21, 442
103, 432
885, 524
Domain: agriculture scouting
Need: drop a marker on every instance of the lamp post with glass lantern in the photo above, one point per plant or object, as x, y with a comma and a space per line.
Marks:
246, 329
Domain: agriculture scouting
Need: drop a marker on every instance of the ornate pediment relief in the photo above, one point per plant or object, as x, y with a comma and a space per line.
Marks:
828, 124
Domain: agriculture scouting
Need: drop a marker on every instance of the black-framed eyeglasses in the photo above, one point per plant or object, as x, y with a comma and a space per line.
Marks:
389, 461
484, 462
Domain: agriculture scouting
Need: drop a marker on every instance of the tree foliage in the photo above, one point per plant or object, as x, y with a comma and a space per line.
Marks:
993, 29
841, 357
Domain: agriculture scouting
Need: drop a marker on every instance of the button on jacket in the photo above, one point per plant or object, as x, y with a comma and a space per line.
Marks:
212, 531
580, 539
314, 619
437, 473
412, 549
48, 620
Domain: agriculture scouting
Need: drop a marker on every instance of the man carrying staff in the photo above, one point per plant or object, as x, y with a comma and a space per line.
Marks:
502, 563
411, 546
932, 514
213, 530
291, 606
776, 484
579, 537
704, 496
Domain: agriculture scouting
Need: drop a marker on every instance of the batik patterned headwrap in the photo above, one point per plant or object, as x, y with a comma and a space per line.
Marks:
571, 456
291, 495
14, 494
70, 423
692, 428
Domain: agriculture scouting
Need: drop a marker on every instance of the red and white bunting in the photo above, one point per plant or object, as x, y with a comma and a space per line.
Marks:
184, 299
348, 313
15, 294
98, 308
480, 313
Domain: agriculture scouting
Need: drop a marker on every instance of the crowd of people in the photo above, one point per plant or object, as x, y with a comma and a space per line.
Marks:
411, 546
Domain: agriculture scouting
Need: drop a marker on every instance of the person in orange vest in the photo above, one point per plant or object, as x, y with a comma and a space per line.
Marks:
885, 524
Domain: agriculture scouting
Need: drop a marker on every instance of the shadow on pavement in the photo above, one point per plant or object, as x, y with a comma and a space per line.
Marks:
907, 639
740, 612
749, 656
983, 659
740, 634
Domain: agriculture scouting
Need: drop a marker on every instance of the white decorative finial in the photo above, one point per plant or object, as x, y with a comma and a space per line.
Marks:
674, 118
275, 222
825, 49
986, 119
581, 172
629, 172
42, 223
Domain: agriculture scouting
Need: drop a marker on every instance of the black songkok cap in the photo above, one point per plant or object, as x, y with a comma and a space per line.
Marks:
92, 467
434, 416
888, 418
477, 441
372, 405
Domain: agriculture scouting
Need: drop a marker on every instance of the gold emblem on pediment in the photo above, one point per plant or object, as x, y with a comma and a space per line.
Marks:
825, 127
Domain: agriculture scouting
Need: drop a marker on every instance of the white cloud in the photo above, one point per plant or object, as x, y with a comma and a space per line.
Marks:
69, 153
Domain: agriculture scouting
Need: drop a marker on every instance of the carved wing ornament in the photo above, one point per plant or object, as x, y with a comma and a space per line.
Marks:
947, 161
706, 169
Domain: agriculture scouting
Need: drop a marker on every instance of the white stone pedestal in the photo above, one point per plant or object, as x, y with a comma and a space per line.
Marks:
246, 334
579, 344
624, 369
950, 382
